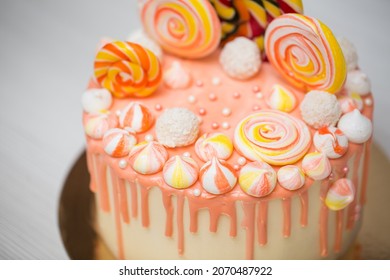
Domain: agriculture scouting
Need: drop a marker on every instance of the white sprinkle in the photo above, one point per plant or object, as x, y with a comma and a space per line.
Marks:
368, 101
241, 161
226, 112
196, 192
118, 112
225, 125
122, 163
191, 99
187, 154
259, 95
216, 81
149, 138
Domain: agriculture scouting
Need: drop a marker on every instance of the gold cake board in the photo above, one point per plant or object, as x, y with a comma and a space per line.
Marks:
76, 210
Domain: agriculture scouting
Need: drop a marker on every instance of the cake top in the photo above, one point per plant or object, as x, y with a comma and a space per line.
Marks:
217, 107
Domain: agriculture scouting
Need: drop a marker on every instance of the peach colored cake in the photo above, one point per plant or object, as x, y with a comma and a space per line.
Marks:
256, 148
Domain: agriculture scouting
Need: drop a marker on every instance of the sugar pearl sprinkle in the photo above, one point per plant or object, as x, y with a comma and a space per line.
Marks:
199, 83
149, 138
236, 167
216, 81
259, 95
368, 101
241, 161
186, 154
158, 107
236, 95
255, 89
191, 99
214, 125
118, 112
256, 107
226, 112
122, 163
196, 192
212, 97
202, 111
225, 125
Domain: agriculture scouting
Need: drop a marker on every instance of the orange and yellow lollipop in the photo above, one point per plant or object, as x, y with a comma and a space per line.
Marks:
306, 53
127, 69
187, 28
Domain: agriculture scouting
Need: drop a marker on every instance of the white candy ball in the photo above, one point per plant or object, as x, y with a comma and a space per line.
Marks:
320, 108
177, 127
350, 53
240, 58
358, 82
97, 100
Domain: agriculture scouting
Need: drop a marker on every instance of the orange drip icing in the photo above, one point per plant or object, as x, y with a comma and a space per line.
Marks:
118, 224
123, 200
339, 230
324, 220
248, 225
101, 183
355, 180
262, 221
304, 208
286, 217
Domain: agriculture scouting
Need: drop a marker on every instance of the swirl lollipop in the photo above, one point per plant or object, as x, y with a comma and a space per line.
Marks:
272, 136
188, 28
306, 53
127, 69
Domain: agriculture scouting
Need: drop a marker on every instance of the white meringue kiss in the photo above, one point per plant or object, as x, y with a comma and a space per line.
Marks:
355, 126
97, 100
358, 82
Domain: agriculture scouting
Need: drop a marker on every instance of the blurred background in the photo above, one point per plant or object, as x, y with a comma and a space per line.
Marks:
47, 49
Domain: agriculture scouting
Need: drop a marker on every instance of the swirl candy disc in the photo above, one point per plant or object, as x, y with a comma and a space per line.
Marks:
188, 28
127, 69
306, 53
272, 136
180, 172
340, 194
257, 179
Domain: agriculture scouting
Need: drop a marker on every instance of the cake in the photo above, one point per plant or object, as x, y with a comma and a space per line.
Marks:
210, 138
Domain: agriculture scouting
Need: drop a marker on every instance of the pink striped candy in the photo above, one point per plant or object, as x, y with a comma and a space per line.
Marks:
118, 142
148, 157
136, 116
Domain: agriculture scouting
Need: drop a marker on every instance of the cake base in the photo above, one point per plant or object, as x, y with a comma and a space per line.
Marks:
76, 215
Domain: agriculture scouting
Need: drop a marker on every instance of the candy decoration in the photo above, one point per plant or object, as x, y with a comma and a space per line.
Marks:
272, 136
140, 37
281, 99
356, 126
136, 116
350, 103
97, 125
217, 176
291, 177
213, 145
177, 127
306, 53
180, 172
340, 194
127, 69
96, 101
188, 28
316, 165
176, 77
257, 179
358, 82
118, 142
250, 18
331, 141
148, 157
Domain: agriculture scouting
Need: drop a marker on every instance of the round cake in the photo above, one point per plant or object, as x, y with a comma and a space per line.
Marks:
207, 140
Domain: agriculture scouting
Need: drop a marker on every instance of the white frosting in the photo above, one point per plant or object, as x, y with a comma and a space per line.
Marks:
320, 108
356, 127
240, 58
358, 82
141, 37
176, 77
177, 127
350, 53
96, 100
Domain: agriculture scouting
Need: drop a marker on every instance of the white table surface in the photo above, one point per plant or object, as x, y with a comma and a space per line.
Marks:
46, 57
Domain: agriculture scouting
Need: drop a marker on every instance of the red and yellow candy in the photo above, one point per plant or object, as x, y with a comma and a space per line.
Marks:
187, 28
306, 53
127, 69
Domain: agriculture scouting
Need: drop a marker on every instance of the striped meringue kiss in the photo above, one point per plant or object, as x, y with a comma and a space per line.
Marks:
331, 141
97, 125
291, 177
136, 116
340, 194
281, 99
180, 172
217, 176
316, 165
118, 142
213, 145
257, 179
148, 157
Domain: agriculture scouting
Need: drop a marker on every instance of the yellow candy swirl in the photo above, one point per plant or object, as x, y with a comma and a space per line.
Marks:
306, 53
188, 28
272, 136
